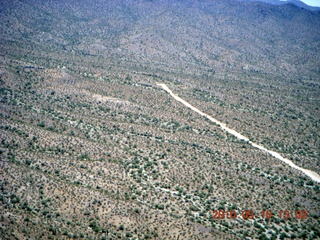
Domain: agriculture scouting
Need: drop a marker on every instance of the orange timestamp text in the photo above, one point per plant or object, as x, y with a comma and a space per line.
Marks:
266, 214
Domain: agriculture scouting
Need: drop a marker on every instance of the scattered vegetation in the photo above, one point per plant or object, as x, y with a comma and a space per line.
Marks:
91, 148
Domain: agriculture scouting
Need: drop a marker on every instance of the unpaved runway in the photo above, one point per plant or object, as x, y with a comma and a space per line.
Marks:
313, 175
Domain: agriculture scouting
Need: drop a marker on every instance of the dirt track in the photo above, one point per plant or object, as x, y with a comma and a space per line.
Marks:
313, 175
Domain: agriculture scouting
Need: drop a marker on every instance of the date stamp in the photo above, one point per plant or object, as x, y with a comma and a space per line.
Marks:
264, 214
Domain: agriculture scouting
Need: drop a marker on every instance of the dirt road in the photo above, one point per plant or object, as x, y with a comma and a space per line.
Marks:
313, 175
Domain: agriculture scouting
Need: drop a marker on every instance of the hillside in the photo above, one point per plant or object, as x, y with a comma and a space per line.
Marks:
91, 146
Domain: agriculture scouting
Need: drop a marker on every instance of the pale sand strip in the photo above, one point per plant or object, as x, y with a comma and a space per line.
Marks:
313, 175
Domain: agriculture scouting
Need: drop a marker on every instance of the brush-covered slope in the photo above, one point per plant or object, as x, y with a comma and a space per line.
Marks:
92, 148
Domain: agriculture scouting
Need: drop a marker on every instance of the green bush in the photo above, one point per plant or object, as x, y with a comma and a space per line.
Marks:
41, 124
